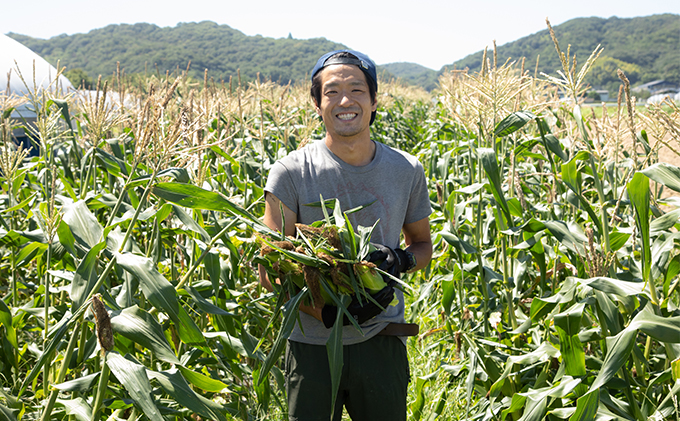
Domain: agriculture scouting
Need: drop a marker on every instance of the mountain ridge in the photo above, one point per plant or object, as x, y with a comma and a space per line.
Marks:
646, 48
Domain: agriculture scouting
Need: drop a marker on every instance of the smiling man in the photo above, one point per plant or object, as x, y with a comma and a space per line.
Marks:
347, 165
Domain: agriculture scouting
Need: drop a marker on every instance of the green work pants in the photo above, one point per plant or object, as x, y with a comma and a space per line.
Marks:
375, 376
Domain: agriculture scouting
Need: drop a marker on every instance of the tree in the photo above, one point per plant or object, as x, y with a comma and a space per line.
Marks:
79, 78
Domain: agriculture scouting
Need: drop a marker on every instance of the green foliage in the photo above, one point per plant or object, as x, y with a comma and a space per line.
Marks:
645, 48
149, 49
78, 77
412, 73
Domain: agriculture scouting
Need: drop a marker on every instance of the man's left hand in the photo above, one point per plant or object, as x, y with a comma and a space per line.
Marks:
394, 261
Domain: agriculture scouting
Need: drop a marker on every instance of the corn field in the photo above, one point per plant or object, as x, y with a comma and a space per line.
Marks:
128, 249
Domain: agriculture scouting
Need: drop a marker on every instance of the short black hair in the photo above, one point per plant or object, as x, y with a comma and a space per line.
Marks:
315, 90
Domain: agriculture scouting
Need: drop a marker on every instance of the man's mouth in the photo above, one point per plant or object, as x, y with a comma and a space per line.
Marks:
347, 116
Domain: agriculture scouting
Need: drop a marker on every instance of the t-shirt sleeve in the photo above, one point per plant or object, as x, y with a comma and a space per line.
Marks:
419, 201
280, 183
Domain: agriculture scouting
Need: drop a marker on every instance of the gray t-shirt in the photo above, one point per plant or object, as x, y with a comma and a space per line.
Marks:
394, 182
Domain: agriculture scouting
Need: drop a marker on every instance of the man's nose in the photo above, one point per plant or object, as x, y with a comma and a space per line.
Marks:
346, 99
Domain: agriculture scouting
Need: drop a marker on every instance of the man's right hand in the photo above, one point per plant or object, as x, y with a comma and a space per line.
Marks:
361, 313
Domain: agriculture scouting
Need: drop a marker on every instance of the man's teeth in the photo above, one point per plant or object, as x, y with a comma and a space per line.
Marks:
346, 116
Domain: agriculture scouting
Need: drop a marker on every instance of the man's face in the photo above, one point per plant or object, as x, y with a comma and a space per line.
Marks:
346, 104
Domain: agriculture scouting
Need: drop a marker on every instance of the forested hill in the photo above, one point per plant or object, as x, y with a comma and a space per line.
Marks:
146, 47
645, 48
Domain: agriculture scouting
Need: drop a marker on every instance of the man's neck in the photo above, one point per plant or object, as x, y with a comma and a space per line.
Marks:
357, 152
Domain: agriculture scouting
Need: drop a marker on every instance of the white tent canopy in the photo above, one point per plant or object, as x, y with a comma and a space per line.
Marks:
15, 56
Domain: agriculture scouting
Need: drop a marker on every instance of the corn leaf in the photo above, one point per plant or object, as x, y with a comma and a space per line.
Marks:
57, 334
587, 406
490, 164
666, 174
202, 303
638, 192
202, 381
83, 224
6, 320
290, 315
335, 358
156, 288
194, 197
143, 329
174, 384
77, 407
619, 348
513, 122
86, 275
80, 385
663, 329
134, 379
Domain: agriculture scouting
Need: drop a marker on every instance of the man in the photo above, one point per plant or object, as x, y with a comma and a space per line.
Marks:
347, 165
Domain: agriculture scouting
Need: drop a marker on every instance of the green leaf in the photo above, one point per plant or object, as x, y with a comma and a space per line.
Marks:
202, 303
181, 175
80, 385
6, 320
460, 245
490, 164
179, 390
567, 325
572, 352
613, 286
21, 205
29, 252
194, 197
156, 288
83, 224
133, 377
666, 174
335, 358
189, 332
113, 165
57, 334
573, 240
143, 329
203, 382
190, 223
77, 407
66, 238
544, 352
665, 222
638, 193
86, 275
663, 329
570, 320
586, 406
619, 348
513, 122
7, 414
668, 406
553, 145
618, 239
290, 315
448, 292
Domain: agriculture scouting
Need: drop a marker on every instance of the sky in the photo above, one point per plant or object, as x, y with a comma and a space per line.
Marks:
432, 33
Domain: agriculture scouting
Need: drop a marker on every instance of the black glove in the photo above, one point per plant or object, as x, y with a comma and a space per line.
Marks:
394, 261
361, 313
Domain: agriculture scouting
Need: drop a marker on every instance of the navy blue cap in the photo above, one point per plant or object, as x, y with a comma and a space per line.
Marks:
362, 61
